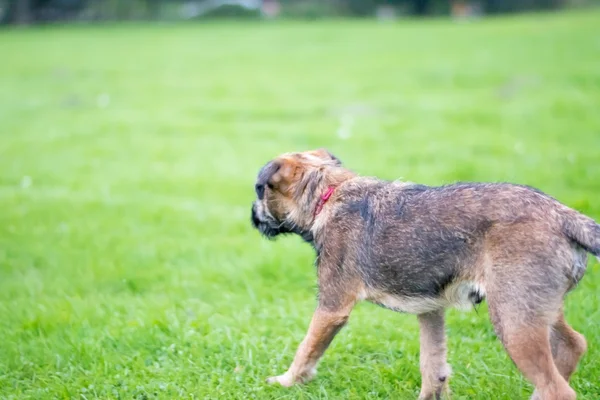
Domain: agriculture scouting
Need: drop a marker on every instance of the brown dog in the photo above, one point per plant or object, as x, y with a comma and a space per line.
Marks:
420, 249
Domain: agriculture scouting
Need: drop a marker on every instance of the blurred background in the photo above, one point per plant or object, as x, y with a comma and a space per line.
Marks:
131, 134
32, 11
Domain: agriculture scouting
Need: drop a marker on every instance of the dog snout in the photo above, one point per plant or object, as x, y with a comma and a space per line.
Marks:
255, 220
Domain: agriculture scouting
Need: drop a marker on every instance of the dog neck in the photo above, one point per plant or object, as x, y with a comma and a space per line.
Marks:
323, 199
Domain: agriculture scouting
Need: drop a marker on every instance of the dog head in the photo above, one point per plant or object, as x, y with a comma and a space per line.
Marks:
287, 190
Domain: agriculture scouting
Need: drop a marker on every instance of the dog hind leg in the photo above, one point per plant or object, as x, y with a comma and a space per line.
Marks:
568, 346
526, 338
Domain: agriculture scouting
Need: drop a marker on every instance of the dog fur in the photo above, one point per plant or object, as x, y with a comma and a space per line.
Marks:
421, 249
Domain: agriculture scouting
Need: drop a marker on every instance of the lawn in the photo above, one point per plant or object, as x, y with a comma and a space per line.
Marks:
128, 265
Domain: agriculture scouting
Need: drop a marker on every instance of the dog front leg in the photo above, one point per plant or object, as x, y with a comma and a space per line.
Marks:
323, 328
435, 371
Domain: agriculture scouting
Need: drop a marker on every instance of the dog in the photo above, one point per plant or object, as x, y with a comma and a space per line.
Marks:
421, 249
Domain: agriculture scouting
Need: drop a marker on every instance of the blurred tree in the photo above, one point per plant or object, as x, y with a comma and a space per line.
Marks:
360, 7
5, 11
28, 11
23, 12
511, 6
123, 9
421, 7
153, 8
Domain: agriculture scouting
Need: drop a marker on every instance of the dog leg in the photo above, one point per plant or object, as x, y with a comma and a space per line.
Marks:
435, 372
324, 326
528, 345
568, 346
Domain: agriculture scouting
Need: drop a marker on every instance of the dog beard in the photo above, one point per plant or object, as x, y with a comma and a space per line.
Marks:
270, 228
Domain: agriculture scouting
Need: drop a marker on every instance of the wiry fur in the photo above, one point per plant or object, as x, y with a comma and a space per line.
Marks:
421, 249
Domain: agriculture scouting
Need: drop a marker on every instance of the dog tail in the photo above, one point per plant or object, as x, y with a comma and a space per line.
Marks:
584, 231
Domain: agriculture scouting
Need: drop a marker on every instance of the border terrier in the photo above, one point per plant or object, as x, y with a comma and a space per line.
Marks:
421, 249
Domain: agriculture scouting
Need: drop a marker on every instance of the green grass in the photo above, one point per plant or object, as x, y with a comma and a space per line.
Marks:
128, 266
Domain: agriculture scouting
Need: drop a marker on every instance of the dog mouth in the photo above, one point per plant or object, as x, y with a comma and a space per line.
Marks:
270, 228
266, 224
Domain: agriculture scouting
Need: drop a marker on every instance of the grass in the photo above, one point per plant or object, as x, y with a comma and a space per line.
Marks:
128, 266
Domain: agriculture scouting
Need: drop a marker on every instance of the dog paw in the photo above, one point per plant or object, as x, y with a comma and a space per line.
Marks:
288, 379
441, 393
285, 380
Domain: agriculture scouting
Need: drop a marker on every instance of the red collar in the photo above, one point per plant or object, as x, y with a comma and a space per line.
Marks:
323, 199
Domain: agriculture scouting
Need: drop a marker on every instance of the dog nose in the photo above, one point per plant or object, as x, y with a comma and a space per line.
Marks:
255, 220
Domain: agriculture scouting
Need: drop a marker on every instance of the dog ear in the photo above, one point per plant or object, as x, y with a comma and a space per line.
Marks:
324, 154
285, 175
277, 175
